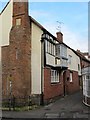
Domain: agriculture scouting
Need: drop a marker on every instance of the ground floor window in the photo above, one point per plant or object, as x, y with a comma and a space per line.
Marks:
86, 85
54, 76
71, 76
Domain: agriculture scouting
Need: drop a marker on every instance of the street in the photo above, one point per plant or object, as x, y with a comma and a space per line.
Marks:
70, 106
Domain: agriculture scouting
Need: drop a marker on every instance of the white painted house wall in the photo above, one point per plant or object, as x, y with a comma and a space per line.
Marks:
6, 24
50, 60
75, 60
36, 59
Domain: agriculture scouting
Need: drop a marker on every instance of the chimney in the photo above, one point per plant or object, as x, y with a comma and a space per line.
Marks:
20, 13
78, 50
59, 37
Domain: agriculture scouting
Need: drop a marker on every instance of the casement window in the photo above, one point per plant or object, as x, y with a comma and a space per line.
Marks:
86, 85
69, 59
63, 51
71, 77
57, 51
50, 47
54, 76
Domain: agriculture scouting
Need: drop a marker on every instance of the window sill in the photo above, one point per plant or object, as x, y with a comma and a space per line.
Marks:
71, 82
55, 83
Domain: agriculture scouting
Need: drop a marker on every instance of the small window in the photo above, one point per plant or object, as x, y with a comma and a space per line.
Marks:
54, 76
71, 77
78, 67
18, 21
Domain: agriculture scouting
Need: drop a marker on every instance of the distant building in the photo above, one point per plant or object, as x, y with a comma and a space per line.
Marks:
84, 62
86, 85
34, 62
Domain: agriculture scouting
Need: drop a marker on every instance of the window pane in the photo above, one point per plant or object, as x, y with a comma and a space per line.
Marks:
70, 77
54, 76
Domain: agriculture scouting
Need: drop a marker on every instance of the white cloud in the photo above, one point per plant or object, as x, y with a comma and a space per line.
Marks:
75, 40
72, 39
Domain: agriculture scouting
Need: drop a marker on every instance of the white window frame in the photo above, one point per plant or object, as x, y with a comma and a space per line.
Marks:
54, 76
63, 51
57, 50
71, 77
86, 85
49, 47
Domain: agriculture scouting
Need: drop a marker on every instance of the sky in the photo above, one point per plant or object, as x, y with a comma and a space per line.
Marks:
73, 17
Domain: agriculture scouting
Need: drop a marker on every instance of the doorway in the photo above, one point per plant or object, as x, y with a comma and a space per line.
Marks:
64, 83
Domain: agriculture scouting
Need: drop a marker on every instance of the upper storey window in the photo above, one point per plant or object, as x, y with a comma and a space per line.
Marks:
57, 51
50, 48
49, 43
61, 51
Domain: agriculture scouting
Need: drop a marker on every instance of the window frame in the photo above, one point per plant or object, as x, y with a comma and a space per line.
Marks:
55, 78
18, 21
71, 77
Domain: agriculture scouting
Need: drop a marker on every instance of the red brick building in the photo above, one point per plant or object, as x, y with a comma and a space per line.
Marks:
34, 62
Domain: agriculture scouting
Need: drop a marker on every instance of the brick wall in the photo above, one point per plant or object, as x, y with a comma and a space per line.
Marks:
5, 69
20, 63
73, 86
16, 58
51, 90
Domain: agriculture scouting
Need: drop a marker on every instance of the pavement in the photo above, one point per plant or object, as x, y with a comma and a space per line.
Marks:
70, 106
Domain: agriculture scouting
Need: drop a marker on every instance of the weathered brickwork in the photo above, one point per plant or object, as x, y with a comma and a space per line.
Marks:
51, 90
16, 58
16, 61
57, 89
73, 86
5, 70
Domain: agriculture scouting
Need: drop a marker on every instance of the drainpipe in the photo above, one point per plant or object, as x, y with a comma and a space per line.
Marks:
42, 71
81, 76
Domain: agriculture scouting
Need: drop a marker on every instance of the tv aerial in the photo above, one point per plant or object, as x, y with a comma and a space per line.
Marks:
59, 25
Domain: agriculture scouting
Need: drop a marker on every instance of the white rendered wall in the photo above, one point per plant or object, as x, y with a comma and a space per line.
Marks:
6, 24
50, 60
36, 59
75, 60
